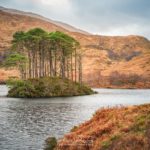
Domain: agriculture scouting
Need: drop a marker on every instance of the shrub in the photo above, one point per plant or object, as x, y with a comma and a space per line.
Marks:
50, 143
119, 79
46, 87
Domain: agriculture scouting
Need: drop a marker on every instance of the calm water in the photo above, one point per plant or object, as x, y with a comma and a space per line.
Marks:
26, 123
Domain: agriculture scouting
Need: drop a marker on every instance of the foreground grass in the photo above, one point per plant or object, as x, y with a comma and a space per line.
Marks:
46, 87
120, 128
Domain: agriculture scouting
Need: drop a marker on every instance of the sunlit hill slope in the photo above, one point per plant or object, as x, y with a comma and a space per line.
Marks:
129, 56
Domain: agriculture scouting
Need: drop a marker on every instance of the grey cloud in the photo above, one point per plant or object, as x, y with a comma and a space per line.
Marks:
107, 15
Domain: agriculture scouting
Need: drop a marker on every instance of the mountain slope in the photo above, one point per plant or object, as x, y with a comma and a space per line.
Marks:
10, 23
102, 55
30, 14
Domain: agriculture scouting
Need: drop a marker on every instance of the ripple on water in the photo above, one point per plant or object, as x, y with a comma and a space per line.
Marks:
25, 124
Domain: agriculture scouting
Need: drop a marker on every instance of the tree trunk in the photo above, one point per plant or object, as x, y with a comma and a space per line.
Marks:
51, 63
71, 68
29, 55
75, 65
80, 69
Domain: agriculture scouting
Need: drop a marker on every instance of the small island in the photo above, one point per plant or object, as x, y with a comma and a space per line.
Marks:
46, 87
50, 65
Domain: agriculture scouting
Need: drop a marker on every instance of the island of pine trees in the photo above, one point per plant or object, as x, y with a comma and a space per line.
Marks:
50, 65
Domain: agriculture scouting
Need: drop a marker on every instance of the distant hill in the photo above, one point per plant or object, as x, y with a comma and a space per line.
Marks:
30, 14
102, 55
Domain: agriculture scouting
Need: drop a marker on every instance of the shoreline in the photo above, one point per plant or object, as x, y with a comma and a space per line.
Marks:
109, 127
103, 87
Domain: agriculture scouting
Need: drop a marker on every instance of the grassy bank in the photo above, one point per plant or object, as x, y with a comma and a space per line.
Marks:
123, 128
46, 87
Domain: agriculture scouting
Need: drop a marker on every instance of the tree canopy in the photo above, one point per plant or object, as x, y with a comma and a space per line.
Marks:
41, 54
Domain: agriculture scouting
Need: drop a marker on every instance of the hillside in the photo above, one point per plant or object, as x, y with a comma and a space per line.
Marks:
102, 55
30, 14
122, 128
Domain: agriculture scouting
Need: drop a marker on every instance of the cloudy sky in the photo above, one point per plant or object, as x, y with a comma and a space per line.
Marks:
105, 17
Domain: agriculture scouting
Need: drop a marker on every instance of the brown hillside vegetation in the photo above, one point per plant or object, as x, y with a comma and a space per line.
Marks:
122, 128
102, 55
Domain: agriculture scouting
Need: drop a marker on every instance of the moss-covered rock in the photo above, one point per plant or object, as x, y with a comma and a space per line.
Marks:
46, 87
50, 143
